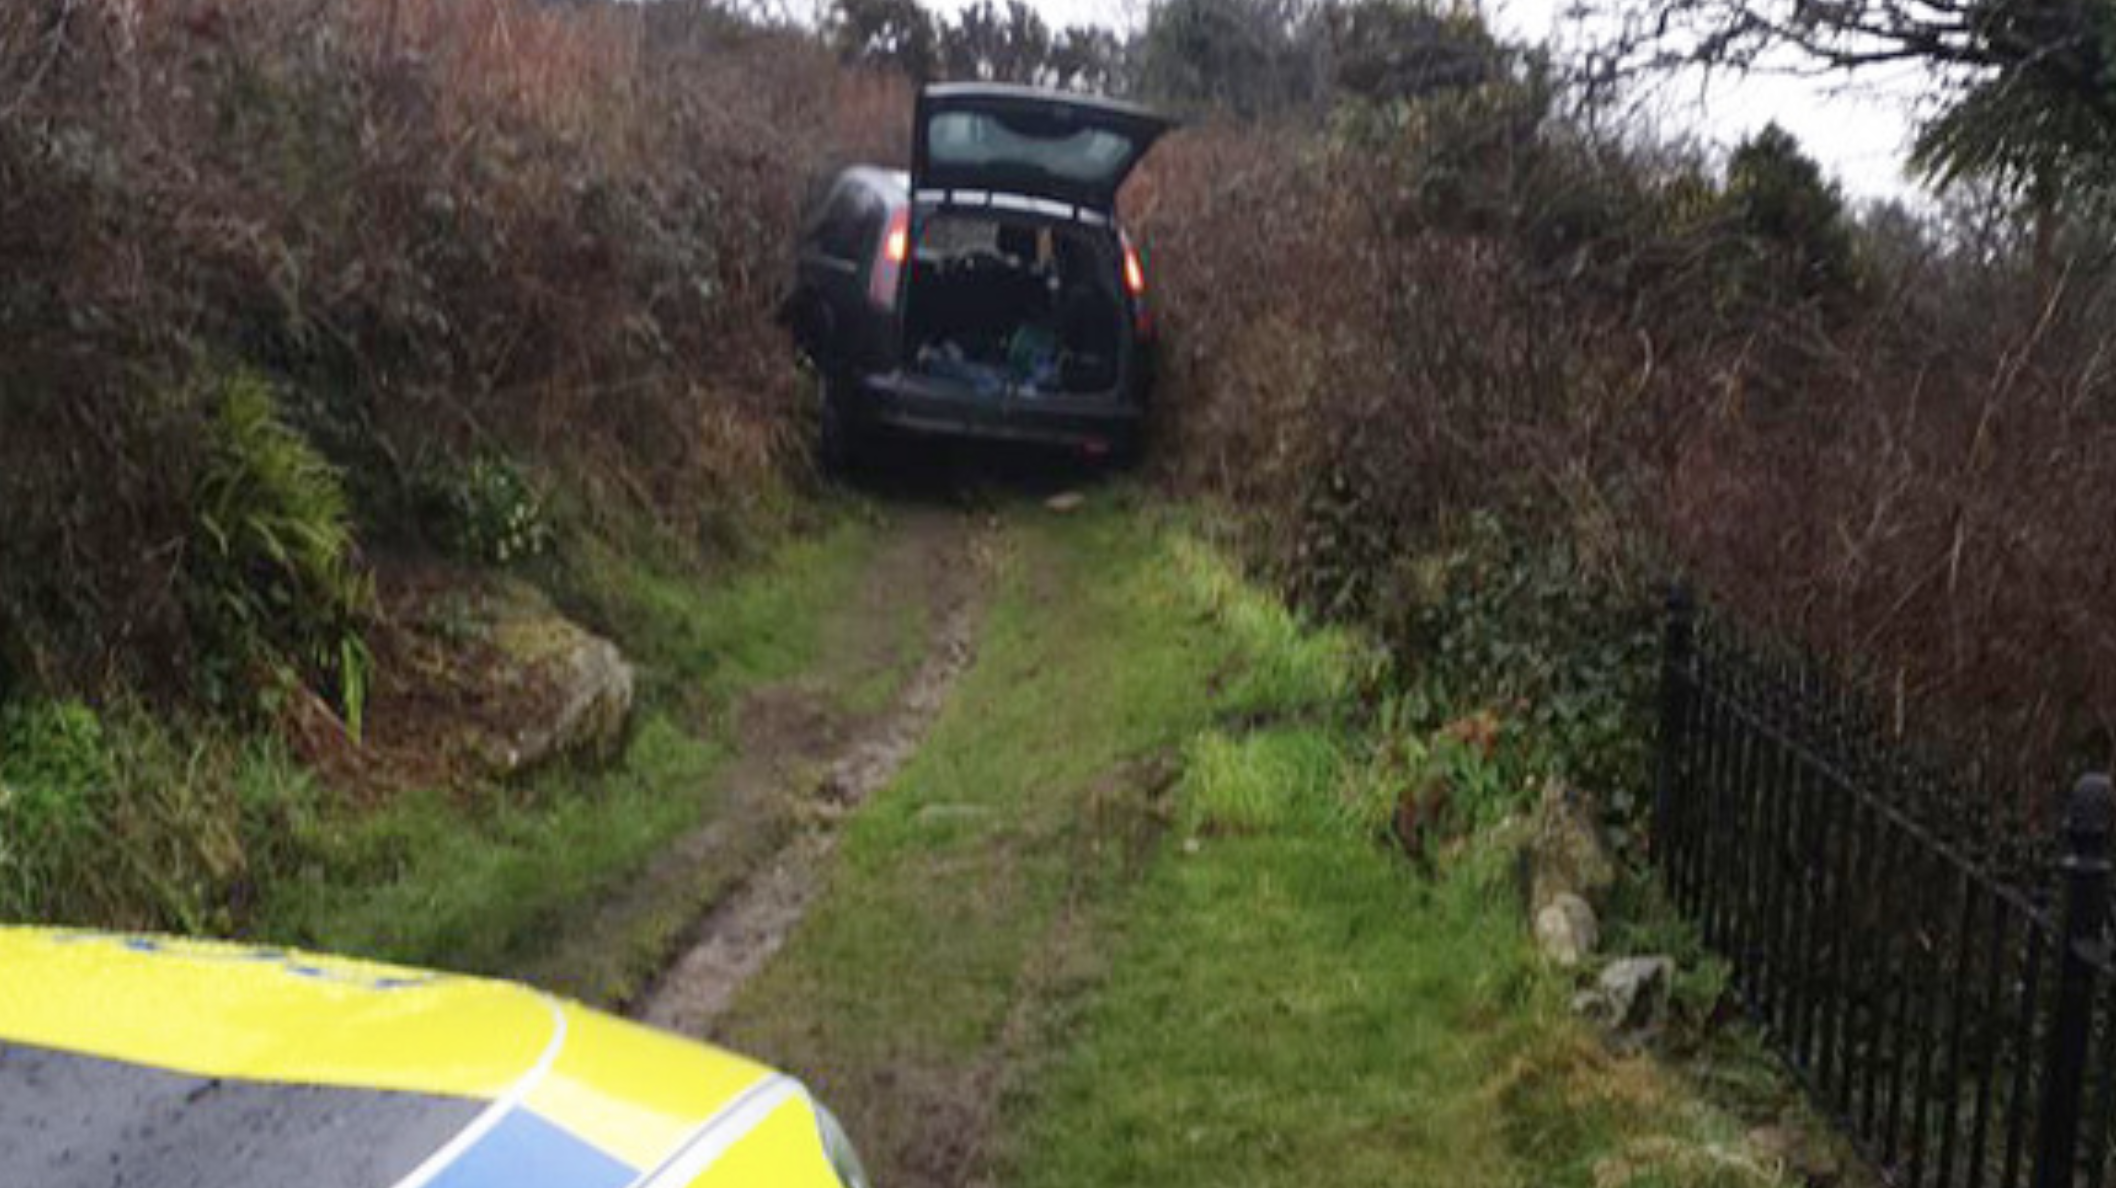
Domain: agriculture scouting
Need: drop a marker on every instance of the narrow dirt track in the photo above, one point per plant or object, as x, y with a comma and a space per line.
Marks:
937, 556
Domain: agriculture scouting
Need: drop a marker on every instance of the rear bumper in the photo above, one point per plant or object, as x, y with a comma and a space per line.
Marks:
947, 408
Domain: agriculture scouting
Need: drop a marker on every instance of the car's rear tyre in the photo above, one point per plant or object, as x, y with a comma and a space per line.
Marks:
839, 443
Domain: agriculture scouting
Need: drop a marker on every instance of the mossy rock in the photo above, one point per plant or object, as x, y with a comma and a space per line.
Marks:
482, 677
581, 687
1564, 853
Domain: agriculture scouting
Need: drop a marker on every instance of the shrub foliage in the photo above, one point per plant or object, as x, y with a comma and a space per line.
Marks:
1882, 438
272, 573
442, 234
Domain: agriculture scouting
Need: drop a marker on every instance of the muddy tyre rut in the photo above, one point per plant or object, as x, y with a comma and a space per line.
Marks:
939, 556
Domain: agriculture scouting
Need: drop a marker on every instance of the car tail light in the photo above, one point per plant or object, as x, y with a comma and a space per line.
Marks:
889, 266
1135, 284
1134, 271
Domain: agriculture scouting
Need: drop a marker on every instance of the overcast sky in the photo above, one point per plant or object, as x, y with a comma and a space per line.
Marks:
1858, 131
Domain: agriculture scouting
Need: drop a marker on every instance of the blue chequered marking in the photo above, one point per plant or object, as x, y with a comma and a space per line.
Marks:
524, 1151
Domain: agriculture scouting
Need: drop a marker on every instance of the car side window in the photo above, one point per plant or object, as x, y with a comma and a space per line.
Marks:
849, 219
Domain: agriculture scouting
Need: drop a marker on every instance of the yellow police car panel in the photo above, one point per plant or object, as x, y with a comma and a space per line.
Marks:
151, 1061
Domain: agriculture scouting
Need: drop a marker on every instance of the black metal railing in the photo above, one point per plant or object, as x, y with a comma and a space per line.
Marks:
1929, 960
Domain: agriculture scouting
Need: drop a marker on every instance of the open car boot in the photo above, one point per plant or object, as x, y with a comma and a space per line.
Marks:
1013, 305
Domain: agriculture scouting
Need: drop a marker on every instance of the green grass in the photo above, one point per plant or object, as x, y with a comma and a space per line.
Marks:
1285, 1008
704, 643
1028, 803
1260, 782
467, 882
1282, 665
117, 818
1125, 919
1290, 1002
480, 880
1295, 1003
1029, 962
901, 636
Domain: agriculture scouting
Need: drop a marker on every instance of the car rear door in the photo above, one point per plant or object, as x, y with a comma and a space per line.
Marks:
836, 252
1072, 149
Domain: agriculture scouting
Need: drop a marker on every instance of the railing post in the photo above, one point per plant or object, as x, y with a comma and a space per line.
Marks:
2085, 871
1678, 643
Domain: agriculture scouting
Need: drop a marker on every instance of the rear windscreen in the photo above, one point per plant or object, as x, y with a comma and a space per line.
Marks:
982, 139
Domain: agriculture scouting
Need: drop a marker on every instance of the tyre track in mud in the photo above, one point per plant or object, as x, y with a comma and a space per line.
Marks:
947, 551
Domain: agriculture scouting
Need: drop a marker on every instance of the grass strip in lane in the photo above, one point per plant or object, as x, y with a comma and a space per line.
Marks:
965, 888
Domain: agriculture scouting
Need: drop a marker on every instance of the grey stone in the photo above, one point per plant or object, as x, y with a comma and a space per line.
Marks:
1566, 929
1565, 854
1631, 996
590, 690
596, 687
1798, 1151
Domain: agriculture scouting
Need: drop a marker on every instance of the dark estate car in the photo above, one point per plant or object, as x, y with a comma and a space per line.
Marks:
990, 292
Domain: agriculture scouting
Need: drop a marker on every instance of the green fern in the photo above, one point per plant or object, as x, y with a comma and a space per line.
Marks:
276, 574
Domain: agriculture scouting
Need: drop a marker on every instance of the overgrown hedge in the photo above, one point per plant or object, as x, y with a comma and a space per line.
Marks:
441, 241
1887, 441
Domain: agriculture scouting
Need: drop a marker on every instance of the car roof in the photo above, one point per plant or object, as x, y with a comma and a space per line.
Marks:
896, 181
217, 1048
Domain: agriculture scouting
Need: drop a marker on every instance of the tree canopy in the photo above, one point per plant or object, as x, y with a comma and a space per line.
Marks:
988, 42
2030, 84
